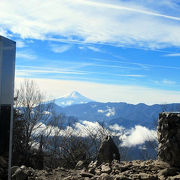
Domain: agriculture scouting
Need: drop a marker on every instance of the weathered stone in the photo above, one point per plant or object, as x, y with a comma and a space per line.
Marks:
97, 171
105, 176
121, 177
105, 168
87, 178
86, 174
177, 177
168, 172
80, 165
68, 178
169, 138
146, 176
108, 151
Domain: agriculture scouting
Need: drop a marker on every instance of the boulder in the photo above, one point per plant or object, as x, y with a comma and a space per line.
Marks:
108, 151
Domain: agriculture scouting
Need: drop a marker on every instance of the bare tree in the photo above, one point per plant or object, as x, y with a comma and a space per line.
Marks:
31, 113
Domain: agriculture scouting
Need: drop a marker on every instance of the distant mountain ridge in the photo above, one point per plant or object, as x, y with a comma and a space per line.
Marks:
123, 114
71, 99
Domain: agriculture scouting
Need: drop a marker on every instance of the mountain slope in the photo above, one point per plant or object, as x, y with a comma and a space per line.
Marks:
127, 115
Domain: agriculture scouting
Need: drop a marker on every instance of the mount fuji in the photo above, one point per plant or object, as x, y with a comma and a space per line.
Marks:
71, 99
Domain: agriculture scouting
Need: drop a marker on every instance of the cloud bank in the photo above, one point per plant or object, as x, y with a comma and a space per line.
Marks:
128, 137
105, 92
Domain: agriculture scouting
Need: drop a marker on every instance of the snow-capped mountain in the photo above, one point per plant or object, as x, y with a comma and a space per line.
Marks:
71, 99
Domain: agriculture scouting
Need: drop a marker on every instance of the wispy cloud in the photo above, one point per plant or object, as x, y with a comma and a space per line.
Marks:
165, 82
118, 23
20, 44
168, 82
141, 11
25, 55
37, 70
69, 70
131, 75
59, 48
94, 48
134, 65
173, 54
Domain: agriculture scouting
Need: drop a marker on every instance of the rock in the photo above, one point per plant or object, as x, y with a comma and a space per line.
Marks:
177, 177
121, 177
147, 176
142, 170
86, 174
108, 151
68, 178
97, 171
169, 138
168, 172
13, 169
92, 166
20, 174
3, 162
105, 176
105, 168
80, 165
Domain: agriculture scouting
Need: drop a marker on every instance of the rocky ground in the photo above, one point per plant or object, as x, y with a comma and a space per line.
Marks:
149, 170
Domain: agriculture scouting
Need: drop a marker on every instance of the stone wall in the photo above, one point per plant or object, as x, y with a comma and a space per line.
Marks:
169, 138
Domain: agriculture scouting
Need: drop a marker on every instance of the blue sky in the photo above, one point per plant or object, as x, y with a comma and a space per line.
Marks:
107, 50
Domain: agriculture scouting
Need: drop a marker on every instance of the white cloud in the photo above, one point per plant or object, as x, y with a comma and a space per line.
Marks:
173, 54
118, 23
168, 82
100, 111
106, 92
108, 112
32, 71
165, 82
25, 55
94, 49
116, 127
139, 135
131, 75
20, 44
3, 32
60, 48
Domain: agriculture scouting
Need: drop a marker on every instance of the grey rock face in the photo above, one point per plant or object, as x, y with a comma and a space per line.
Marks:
169, 138
108, 151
